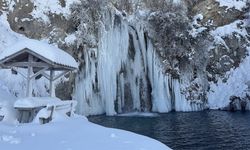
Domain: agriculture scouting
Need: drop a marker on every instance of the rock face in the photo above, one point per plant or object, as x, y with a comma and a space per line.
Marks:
142, 55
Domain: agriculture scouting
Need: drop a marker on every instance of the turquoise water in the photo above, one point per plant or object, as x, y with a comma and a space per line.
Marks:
208, 130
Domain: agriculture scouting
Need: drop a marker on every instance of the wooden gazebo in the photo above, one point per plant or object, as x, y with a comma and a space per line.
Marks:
39, 58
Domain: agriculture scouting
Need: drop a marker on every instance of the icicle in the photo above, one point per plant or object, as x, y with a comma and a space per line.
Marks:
161, 99
181, 104
121, 77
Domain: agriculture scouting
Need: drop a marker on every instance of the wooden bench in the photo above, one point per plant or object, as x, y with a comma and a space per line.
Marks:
44, 107
67, 107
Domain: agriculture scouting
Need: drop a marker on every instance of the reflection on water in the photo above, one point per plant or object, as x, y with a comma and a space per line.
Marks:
193, 131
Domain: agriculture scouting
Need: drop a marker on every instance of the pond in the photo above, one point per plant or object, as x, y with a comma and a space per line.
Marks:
204, 130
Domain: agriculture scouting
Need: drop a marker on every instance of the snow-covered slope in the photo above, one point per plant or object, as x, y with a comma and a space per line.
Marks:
6, 105
236, 85
236, 4
75, 133
72, 134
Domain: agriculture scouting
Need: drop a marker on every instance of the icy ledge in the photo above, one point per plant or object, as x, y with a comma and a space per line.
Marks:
72, 134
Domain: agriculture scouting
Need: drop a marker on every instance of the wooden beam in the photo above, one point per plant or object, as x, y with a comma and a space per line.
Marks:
26, 64
19, 72
60, 75
39, 73
51, 89
45, 75
30, 73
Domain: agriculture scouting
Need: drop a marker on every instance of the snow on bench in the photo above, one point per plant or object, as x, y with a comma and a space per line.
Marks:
45, 107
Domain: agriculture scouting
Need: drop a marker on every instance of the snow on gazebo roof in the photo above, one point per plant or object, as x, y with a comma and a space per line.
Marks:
46, 51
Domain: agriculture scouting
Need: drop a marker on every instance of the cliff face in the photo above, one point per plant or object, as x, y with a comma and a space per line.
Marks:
144, 55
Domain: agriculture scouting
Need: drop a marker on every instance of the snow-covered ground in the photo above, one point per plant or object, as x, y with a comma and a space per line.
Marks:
236, 4
237, 85
238, 78
72, 134
64, 133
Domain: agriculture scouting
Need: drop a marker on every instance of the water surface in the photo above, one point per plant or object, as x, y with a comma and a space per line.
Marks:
208, 130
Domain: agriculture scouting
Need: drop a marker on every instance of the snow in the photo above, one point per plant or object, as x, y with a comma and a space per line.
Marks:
63, 132
6, 105
72, 134
196, 27
43, 8
33, 102
236, 4
12, 42
70, 39
236, 85
234, 27
47, 51
7, 36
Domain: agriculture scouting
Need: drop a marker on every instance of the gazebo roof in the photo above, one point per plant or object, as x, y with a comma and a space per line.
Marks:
53, 56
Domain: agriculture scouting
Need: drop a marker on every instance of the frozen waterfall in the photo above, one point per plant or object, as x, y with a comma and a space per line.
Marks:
124, 74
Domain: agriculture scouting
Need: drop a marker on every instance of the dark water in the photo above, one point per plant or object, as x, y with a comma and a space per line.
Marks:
208, 130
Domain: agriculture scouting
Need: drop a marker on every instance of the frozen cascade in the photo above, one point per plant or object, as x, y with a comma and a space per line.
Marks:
112, 52
161, 98
124, 74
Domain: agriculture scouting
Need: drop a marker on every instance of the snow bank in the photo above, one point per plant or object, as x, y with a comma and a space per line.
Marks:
236, 85
228, 30
7, 36
43, 8
73, 134
236, 4
6, 105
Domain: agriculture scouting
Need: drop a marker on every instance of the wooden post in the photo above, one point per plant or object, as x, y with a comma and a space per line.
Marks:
52, 89
29, 74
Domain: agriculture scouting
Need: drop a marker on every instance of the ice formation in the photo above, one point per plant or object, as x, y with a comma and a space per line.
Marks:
124, 74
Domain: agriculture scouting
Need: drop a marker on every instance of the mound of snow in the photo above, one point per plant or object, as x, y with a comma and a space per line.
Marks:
236, 85
236, 4
73, 134
43, 8
6, 105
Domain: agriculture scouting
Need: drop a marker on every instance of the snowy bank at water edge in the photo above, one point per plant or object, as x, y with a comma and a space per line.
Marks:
64, 133
72, 134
